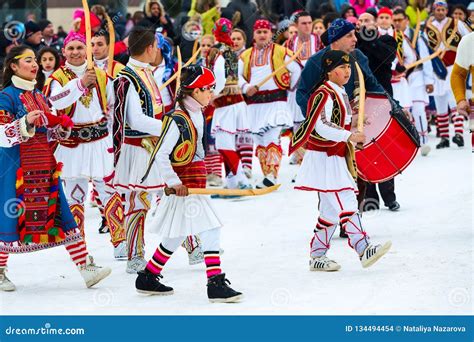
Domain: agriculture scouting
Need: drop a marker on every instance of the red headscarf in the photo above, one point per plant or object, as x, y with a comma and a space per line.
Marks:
222, 30
262, 24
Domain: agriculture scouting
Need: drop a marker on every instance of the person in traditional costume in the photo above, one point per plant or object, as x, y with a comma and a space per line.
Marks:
86, 96
179, 156
112, 210
310, 43
35, 213
245, 139
137, 112
230, 114
463, 68
268, 109
420, 79
164, 66
329, 167
213, 158
445, 33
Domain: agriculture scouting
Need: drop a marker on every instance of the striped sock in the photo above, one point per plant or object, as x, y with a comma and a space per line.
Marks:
458, 121
442, 123
3, 259
214, 164
78, 252
212, 260
159, 259
246, 154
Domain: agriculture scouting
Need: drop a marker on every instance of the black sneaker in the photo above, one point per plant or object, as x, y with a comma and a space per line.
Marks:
394, 206
104, 228
149, 283
219, 291
458, 140
443, 143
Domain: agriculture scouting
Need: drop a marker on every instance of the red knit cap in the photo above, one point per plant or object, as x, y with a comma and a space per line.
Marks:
261, 24
385, 10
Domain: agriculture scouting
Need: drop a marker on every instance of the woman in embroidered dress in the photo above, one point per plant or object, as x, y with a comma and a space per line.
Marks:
179, 156
35, 214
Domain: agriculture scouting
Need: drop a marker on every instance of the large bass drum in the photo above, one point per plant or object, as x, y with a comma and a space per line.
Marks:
392, 140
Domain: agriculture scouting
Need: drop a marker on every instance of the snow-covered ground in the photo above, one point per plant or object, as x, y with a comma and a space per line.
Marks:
266, 239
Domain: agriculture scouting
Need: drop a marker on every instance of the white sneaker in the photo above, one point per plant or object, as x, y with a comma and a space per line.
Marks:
196, 256
91, 273
120, 252
5, 283
425, 149
135, 265
323, 263
214, 180
373, 253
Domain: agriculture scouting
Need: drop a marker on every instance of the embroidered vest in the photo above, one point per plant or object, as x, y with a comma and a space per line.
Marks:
64, 75
277, 59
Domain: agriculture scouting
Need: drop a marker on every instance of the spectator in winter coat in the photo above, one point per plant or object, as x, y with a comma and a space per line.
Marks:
248, 15
156, 18
210, 12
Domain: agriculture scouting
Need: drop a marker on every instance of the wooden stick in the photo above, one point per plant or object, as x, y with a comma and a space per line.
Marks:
178, 78
110, 26
195, 46
417, 29
423, 60
450, 38
172, 78
226, 192
87, 18
360, 118
266, 79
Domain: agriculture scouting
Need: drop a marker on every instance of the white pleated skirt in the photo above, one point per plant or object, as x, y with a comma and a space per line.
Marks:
294, 107
319, 172
92, 160
231, 119
183, 216
131, 168
264, 116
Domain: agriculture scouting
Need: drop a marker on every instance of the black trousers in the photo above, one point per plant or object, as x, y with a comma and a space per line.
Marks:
387, 192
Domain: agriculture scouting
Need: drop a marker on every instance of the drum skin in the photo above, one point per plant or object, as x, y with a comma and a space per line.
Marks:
392, 140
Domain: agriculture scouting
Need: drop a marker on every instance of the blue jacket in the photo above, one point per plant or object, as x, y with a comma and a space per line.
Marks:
312, 74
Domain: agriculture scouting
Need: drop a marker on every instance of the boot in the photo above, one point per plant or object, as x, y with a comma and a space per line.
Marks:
458, 140
443, 143
218, 290
5, 283
267, 182
323, 263
149, 283
373, 253
91, 273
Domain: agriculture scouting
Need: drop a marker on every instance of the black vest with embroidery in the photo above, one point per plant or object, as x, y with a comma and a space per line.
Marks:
145, 99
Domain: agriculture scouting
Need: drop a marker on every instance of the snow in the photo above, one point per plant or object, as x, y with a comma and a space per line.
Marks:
266, 241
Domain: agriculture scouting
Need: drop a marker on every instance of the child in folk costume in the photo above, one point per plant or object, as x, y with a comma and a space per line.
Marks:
165, 64
328, 166
179, 156
36, 214
230, 114
268, 109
